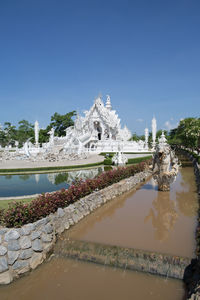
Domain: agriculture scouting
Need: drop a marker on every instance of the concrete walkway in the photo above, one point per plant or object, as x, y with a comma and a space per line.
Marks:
23, 164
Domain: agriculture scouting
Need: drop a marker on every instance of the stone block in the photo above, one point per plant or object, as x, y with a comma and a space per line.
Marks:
12, 234
40, 222
25, 254
3, 264
36, 260
6, 277
46, 238
71, 222
25, 242
27, 229
48, 228
35, 235
12, 257
60, 213
3, 231
60, 229
66, 224
47, 248
21, 266
13, 245
3, 250
37, 245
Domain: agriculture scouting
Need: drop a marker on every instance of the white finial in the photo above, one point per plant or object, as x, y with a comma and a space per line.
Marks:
108, 103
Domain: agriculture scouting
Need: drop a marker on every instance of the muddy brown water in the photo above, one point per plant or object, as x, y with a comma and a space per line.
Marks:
144, 219
147, 219
74, 280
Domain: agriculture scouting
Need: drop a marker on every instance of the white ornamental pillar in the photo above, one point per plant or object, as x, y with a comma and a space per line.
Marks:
146, 132
154, 129
36, 128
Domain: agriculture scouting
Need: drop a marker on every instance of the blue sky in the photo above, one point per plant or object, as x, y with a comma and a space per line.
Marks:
57, 56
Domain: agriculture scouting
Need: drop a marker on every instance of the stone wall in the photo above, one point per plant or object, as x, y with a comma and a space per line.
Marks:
23, 249
126, 258
192, 272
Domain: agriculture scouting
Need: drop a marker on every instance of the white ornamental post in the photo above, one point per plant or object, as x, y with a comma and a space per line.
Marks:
146, 132
154, 129
36, 128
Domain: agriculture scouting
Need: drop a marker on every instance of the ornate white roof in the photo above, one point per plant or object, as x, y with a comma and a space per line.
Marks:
98, 110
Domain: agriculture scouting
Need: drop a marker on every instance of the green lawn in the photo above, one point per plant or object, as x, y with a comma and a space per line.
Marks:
4, 203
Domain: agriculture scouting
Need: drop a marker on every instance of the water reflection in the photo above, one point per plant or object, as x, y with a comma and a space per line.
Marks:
29, 184
187, 205
24, 177
69, 177
147, 219
163, 215
167, 206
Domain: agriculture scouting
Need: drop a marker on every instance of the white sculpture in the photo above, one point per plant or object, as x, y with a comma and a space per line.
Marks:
26, 147
51, 136
162, 140
165, 166
154, 129
119, 158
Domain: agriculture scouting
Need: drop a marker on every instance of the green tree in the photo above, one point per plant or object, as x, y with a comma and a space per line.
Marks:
43, 134
10, 133
3, 140
187, 133
135, 137
25, 131
61, 122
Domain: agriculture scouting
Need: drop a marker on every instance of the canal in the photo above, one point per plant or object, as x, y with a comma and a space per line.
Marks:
145, 219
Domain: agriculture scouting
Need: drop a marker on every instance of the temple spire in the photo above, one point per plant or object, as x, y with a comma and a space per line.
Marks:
108, 103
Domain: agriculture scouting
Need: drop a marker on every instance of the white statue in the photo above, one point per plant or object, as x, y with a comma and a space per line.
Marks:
162, 140
36, 129
51, 136
26, 147
119, 158
154, 129
164, 159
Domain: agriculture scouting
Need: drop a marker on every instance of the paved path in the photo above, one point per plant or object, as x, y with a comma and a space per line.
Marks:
22, 164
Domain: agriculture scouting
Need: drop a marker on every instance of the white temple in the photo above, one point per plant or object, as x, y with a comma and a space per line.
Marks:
99, 131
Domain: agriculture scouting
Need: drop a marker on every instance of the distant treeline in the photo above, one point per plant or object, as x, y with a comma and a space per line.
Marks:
9, 133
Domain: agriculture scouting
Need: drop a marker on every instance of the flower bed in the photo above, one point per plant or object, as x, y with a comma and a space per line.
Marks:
19, 213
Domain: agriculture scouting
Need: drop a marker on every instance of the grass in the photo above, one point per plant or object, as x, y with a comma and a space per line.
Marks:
138, 159
4, 204
112, 153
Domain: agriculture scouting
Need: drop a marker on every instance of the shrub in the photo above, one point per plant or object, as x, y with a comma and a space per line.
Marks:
108, 161
20, 213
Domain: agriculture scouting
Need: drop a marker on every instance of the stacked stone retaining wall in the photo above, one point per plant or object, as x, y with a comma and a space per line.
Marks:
192, 272
126, 258
23, 249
